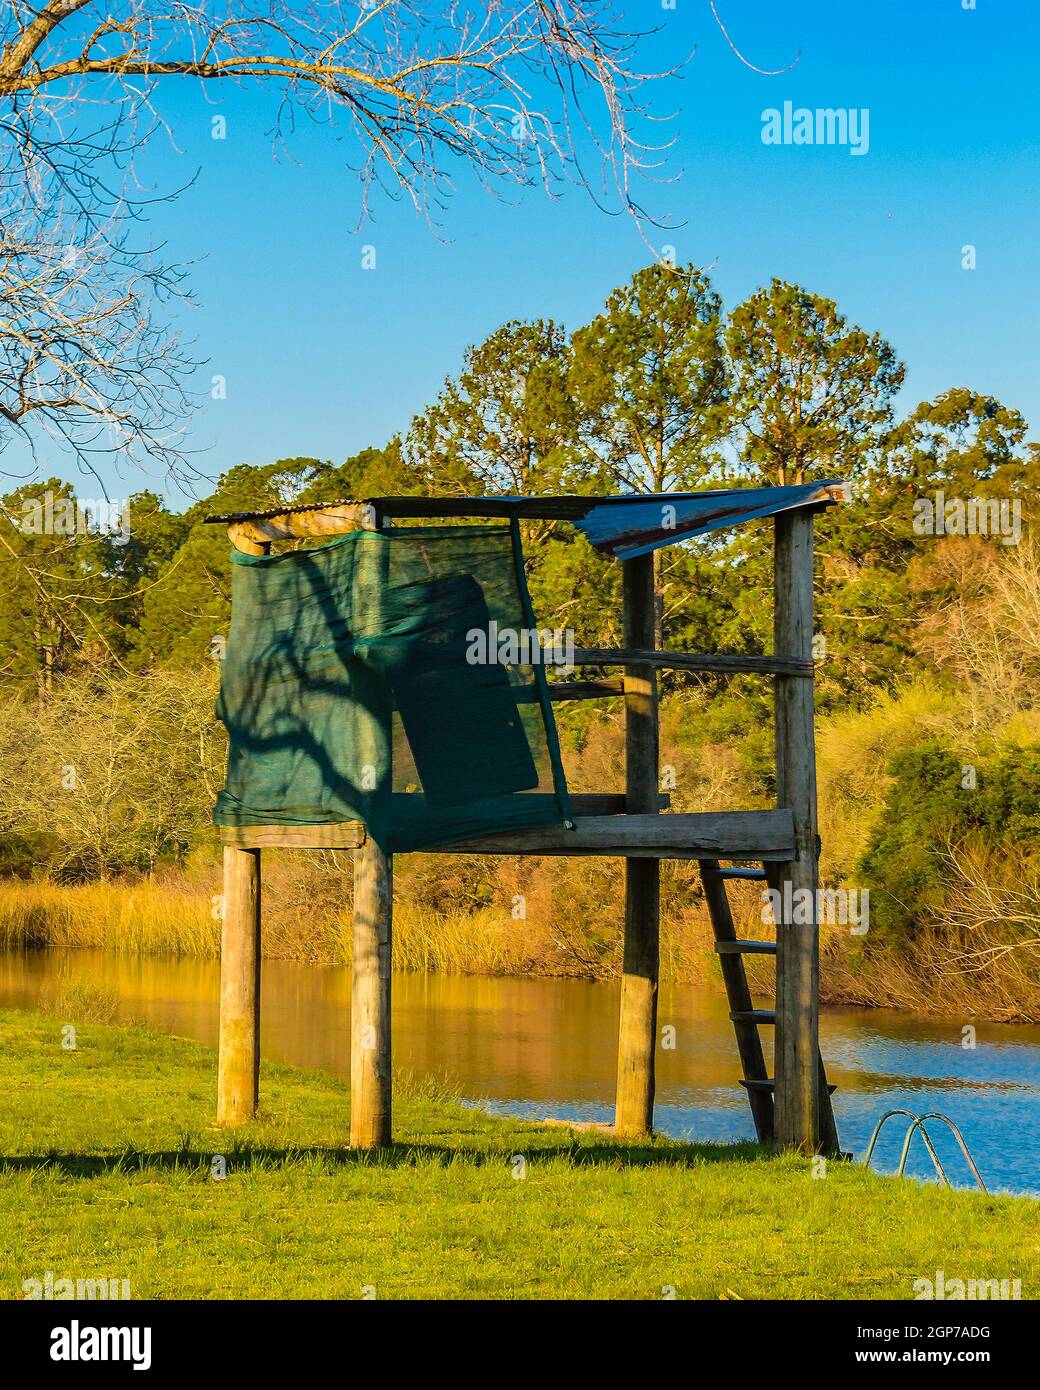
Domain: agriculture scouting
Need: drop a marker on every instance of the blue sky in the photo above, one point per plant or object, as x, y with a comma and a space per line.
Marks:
322, 357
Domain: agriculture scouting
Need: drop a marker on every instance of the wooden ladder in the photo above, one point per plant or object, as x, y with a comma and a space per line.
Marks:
746, 1019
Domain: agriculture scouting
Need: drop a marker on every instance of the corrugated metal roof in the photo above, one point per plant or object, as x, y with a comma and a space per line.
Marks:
623, 525
633, 526
284, 511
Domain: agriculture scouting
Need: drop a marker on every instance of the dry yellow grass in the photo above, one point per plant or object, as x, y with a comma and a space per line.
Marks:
136, 918
946, 969
306, 917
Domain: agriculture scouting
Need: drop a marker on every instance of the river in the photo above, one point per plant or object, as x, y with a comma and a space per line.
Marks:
537, 1048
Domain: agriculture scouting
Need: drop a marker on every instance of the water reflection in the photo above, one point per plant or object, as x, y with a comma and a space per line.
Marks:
547, 1047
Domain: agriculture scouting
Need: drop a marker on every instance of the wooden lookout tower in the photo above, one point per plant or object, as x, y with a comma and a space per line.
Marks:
778, 847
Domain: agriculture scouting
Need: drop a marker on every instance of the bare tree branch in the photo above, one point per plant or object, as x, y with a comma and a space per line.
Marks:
511, 89
763, 72
85, 358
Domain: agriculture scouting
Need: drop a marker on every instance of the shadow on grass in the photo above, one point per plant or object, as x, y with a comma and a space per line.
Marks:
241, 1157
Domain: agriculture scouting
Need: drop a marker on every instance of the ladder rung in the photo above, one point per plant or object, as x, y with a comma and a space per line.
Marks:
770, 1085
754, 875
754, 1016
746, 948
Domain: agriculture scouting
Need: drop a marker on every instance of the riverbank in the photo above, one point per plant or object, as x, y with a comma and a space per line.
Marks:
943, 970
109, 1155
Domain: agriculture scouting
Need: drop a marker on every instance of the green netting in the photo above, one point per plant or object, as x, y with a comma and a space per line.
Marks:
350, 691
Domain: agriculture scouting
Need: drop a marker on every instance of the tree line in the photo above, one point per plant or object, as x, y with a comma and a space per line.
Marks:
663, 390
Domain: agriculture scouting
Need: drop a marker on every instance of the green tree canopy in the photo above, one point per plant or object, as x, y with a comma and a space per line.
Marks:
505, 424
649, 377
371, 473
54, 583
185, 614
508, 424
811, 393
963, 441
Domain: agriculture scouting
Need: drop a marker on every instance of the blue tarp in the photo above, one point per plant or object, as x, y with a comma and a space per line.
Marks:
628, 526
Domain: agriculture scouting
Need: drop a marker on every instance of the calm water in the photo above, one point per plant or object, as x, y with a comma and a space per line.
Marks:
537, 1048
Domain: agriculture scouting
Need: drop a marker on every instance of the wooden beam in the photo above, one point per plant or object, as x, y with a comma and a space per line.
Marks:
637, 1025
723, 663
569, 690
255, 535
584, 690
797, 1095
563, 508
238, 1058
560, 508
243, 538
348, 834
828, 1129
755, 835
609, 803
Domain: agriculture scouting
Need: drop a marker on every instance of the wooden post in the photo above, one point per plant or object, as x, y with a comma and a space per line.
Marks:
797, 1067
637, 1033
370, 1044
238, 1064
370, 1082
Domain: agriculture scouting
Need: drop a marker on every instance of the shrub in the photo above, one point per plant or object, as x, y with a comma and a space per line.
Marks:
932, 807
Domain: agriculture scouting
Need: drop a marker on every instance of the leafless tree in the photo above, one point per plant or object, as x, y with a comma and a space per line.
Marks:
983, 631
116, 770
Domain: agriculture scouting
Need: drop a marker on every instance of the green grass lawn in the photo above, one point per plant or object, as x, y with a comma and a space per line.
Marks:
106, 1159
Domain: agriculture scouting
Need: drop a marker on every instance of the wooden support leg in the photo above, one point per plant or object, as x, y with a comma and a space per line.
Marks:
370, 1071
370, 1052
797, 1064
238, 1066
637, 1033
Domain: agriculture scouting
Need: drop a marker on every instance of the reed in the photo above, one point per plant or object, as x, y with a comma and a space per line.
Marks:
132, 918
178, 915
944, 970
980, 964
83, 1001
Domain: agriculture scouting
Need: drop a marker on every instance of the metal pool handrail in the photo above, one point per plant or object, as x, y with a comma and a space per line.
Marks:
924, 1135
917, 1123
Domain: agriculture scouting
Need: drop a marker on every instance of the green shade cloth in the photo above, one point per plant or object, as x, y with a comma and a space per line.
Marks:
352, 689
